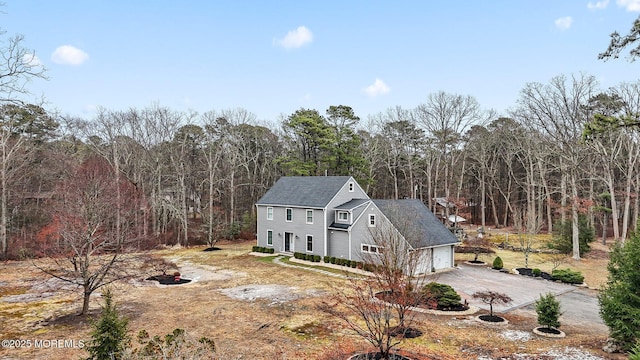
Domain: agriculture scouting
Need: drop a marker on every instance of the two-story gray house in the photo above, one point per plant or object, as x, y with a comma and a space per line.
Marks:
333, 216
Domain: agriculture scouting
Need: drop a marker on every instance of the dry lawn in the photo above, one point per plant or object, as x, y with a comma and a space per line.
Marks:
259, 328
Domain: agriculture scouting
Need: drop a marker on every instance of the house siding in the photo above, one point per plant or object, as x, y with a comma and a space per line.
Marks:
298, 227
338, 244
360, 232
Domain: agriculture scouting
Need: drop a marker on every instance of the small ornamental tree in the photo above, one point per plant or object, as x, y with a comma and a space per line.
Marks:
548, 310
478, 245
109, 336
492, 297
620, 298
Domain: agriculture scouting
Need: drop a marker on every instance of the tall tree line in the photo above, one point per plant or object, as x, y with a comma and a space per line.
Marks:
200, 174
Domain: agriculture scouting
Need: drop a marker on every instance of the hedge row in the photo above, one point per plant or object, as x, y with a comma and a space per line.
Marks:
261, 249
308, 257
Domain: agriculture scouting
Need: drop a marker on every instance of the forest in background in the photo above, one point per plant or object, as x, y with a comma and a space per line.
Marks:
194, 178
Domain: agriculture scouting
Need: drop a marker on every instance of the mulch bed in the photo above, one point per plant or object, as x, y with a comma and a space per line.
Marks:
406, 333
168, 280
489, 318
377, 356
547, 330
214, 248
529, 272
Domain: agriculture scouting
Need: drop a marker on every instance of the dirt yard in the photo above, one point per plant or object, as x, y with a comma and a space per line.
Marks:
252, 309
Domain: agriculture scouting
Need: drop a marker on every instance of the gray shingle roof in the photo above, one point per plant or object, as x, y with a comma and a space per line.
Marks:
303, 191
352, 204
417, 223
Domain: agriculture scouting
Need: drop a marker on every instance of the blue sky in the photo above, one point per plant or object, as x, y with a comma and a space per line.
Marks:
274, 57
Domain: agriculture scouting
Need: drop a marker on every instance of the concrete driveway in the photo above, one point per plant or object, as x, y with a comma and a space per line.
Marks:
579, 306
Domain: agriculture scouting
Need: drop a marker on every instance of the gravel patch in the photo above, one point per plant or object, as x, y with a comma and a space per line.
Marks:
275, 293
515, 335
42, 290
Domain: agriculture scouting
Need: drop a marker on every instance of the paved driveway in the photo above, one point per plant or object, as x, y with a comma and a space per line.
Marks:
578, 305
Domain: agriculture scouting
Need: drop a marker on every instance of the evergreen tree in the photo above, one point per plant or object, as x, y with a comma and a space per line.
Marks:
109, 336
620, 298
562, 240
548, 310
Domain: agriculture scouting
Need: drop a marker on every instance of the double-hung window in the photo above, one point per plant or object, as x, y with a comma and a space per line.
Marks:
372, 220
270, 237
269, 213
289, 214
309, 216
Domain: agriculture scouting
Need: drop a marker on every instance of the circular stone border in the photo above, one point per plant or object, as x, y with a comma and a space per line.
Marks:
468, 262
501, 323
541, 333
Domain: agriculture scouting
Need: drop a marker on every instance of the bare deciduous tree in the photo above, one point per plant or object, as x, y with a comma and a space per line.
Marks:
87, 242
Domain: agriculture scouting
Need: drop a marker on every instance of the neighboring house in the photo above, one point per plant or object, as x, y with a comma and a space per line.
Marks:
333, 216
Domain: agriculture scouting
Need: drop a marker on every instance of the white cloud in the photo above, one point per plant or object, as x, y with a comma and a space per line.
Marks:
295, 38
564, 23
598, 5
69, 55
377, 88
630, 5
31, 60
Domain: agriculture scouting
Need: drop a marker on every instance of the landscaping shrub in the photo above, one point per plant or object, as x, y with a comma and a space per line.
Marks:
332, 259
316, 258
444, 295
271, 250
326, 258
109, 336
255, 248
568, 276
536, 272
497, 263
354, 264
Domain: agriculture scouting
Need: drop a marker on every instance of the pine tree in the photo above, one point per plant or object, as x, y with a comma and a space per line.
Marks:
620, 298
109, 336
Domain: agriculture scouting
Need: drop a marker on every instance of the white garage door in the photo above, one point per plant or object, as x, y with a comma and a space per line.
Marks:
442, 257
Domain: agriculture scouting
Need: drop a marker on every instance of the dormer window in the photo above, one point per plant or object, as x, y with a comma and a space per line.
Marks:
351, 187
343, 216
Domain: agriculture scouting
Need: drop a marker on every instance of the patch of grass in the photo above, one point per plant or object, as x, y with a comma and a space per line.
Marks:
266, 259
13, 290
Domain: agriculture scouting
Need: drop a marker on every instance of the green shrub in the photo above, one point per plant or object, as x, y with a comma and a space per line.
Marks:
254, 248
354, 264
548, 310
497, 263
316, 258
271, 250
443, 294
326, 258
536, 272
567, 276
332, 259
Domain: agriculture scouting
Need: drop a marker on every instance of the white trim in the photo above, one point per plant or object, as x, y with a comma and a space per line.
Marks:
269, 231
306, 216
369, 218
286, 213
269, 213
306, 242
352, 187
340, 212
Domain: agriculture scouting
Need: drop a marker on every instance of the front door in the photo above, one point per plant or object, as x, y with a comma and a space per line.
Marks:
288, 238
